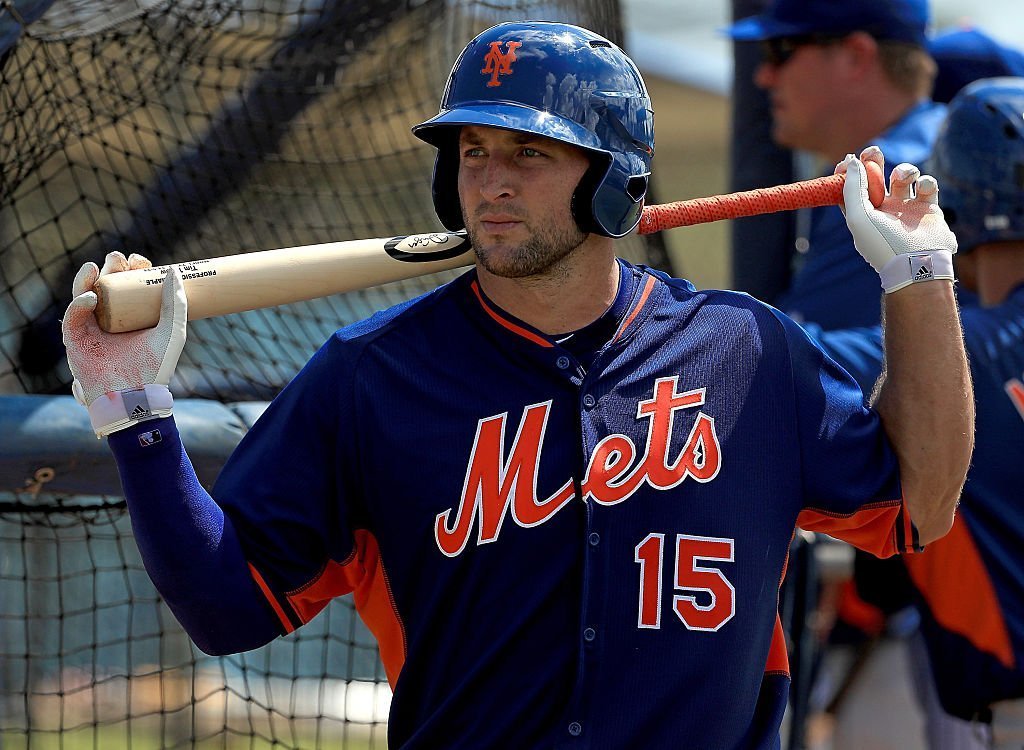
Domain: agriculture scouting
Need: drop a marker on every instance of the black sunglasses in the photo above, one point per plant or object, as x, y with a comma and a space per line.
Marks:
778, 50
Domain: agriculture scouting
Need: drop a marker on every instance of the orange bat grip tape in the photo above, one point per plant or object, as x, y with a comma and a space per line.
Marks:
821, 191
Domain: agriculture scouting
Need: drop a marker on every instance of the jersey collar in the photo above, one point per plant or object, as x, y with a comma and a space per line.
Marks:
634, 292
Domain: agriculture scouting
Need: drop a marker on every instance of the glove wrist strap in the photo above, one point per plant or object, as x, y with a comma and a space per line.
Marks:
120, 409
910, 268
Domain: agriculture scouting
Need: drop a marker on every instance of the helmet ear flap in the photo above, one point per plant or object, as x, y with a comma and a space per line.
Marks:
583, 197
611, 197
444, 186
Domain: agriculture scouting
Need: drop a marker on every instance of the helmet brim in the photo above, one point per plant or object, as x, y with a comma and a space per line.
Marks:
506, 116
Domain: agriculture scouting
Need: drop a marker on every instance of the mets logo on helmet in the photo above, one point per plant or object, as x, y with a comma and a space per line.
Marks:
499, 63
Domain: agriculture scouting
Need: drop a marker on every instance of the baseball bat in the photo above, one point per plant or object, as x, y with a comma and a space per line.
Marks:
130, 300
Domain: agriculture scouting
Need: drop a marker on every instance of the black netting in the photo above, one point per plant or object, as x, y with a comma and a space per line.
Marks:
196, 129
91, 657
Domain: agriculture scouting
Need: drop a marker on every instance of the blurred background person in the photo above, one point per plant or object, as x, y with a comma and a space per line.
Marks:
816, 54
809, 52
968, 661
972, 582
814, 57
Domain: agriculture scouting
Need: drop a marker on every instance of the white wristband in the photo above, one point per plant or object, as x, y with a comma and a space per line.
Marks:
116, 410
909, 268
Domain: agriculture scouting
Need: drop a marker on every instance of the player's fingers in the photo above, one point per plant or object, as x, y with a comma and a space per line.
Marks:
873, 153
174, 303
137, 262
928, 189
856, 204
170, 330
85, 279
901, 182
115, 262
842, 166
79, 392
79, 318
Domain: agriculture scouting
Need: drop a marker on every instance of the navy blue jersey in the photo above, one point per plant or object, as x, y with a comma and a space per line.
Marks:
971, 582
556, 547
833, 286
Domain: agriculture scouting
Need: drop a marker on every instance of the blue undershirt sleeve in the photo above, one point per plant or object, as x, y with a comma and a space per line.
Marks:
189, 547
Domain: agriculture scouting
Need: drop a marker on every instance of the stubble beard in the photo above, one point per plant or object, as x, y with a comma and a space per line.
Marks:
538, 255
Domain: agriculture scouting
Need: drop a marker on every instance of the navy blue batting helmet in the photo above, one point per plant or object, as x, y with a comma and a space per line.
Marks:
978, 160
558, 81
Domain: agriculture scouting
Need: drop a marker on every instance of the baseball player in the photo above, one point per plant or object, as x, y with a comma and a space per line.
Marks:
971, 582
560, 488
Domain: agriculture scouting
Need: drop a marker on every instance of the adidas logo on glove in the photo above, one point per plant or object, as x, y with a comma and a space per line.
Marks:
921, 267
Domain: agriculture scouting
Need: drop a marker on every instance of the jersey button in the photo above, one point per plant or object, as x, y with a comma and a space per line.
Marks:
589, 635
589, 401
575, 729
594, 539
562, 362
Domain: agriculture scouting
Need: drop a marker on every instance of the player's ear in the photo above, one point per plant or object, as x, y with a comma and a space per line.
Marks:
861, 50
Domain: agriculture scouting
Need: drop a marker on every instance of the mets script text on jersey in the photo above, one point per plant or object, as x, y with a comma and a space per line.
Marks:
495, 483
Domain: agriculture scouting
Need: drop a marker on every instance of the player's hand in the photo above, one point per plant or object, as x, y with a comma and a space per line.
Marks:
123, 378
906, 239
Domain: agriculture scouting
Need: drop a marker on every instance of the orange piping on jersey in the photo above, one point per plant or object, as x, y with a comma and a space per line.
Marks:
871, 528
288, 627
778, 656
785, 563
363, 574
519, 330
376, 605
952, 578
648, 286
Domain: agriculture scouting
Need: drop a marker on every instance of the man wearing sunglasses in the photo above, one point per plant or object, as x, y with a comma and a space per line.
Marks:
818, 58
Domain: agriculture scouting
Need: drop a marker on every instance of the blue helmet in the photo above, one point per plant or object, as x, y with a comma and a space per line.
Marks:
978, 160
558, 81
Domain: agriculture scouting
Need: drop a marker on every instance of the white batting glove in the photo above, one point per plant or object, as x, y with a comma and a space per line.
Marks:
122, 378
906, 239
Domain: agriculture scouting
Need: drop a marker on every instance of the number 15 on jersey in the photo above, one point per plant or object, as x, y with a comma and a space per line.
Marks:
703, 598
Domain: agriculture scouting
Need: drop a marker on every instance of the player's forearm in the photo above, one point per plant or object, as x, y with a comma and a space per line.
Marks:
926, 402
188, 545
